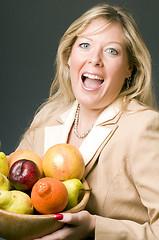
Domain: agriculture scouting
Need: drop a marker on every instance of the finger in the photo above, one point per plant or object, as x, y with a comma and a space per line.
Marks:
67, 218
72, 218
63, 233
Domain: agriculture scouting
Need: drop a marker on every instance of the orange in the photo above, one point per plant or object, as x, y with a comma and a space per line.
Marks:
25, 154
63, 161
49, 195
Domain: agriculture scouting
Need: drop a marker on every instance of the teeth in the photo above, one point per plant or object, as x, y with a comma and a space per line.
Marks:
92, 76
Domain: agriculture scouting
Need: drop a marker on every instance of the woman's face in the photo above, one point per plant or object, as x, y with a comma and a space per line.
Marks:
99, 65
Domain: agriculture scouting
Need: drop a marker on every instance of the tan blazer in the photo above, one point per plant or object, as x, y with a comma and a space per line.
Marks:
122, 168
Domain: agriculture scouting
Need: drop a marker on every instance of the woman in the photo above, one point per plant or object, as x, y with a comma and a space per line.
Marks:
101, 101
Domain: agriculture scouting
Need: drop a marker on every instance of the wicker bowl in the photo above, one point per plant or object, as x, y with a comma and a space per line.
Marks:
25, 227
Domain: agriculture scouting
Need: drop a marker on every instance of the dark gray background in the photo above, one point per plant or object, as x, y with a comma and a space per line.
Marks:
29, 34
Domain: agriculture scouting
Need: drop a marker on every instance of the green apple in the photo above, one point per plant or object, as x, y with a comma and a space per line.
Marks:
4, 183
16, 201
73, 187
4, 169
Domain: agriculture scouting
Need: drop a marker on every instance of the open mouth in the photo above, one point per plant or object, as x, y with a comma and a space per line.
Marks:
91, 81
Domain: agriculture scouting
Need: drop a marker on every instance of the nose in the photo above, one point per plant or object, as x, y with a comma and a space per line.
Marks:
95, 58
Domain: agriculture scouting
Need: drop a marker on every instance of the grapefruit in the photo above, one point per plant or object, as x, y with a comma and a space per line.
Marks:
63, 161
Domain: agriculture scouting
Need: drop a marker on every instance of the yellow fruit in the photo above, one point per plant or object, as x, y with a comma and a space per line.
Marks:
4, 169
4, 183
16, 201
73, 188
63, 161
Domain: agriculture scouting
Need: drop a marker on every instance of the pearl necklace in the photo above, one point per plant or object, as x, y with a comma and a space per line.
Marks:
76, 125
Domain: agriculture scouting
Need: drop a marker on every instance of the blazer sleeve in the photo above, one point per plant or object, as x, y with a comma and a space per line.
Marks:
34, 141
144, 164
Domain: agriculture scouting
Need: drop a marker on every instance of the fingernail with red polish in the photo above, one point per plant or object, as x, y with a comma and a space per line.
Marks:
58, 216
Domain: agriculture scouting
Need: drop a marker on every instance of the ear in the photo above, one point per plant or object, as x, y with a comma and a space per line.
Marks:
129, 71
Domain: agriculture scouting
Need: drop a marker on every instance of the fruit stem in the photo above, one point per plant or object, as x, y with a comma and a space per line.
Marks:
86, 189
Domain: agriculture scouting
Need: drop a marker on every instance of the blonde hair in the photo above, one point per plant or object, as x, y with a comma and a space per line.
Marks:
61, 93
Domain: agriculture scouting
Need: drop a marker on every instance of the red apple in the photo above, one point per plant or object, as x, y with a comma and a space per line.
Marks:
25, 154
23, 174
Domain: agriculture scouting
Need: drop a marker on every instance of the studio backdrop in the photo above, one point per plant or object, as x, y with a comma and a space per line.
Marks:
30, 31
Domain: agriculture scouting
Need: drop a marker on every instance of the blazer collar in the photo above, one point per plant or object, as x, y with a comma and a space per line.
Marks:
100, 133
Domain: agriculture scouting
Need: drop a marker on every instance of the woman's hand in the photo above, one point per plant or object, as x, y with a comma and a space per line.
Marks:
78, 226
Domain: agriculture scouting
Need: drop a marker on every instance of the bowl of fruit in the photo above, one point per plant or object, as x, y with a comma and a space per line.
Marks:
33, 191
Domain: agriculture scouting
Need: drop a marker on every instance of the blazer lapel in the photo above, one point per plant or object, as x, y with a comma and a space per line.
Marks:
99, 136
103, 141
93, 141
59, 132
101, 132
54, 135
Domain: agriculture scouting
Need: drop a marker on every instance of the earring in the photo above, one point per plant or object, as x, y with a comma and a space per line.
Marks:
128, 80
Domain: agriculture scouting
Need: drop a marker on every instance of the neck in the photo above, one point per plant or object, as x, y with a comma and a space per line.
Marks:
87, 118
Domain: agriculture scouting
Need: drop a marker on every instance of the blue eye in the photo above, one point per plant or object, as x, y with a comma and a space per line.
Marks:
85, 45
112, 51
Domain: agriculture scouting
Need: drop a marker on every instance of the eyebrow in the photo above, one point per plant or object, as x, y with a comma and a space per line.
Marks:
115, 43
106, 43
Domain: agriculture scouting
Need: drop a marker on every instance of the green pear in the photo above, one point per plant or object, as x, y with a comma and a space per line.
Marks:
4, 183
4, 169
73, 187
16, 201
